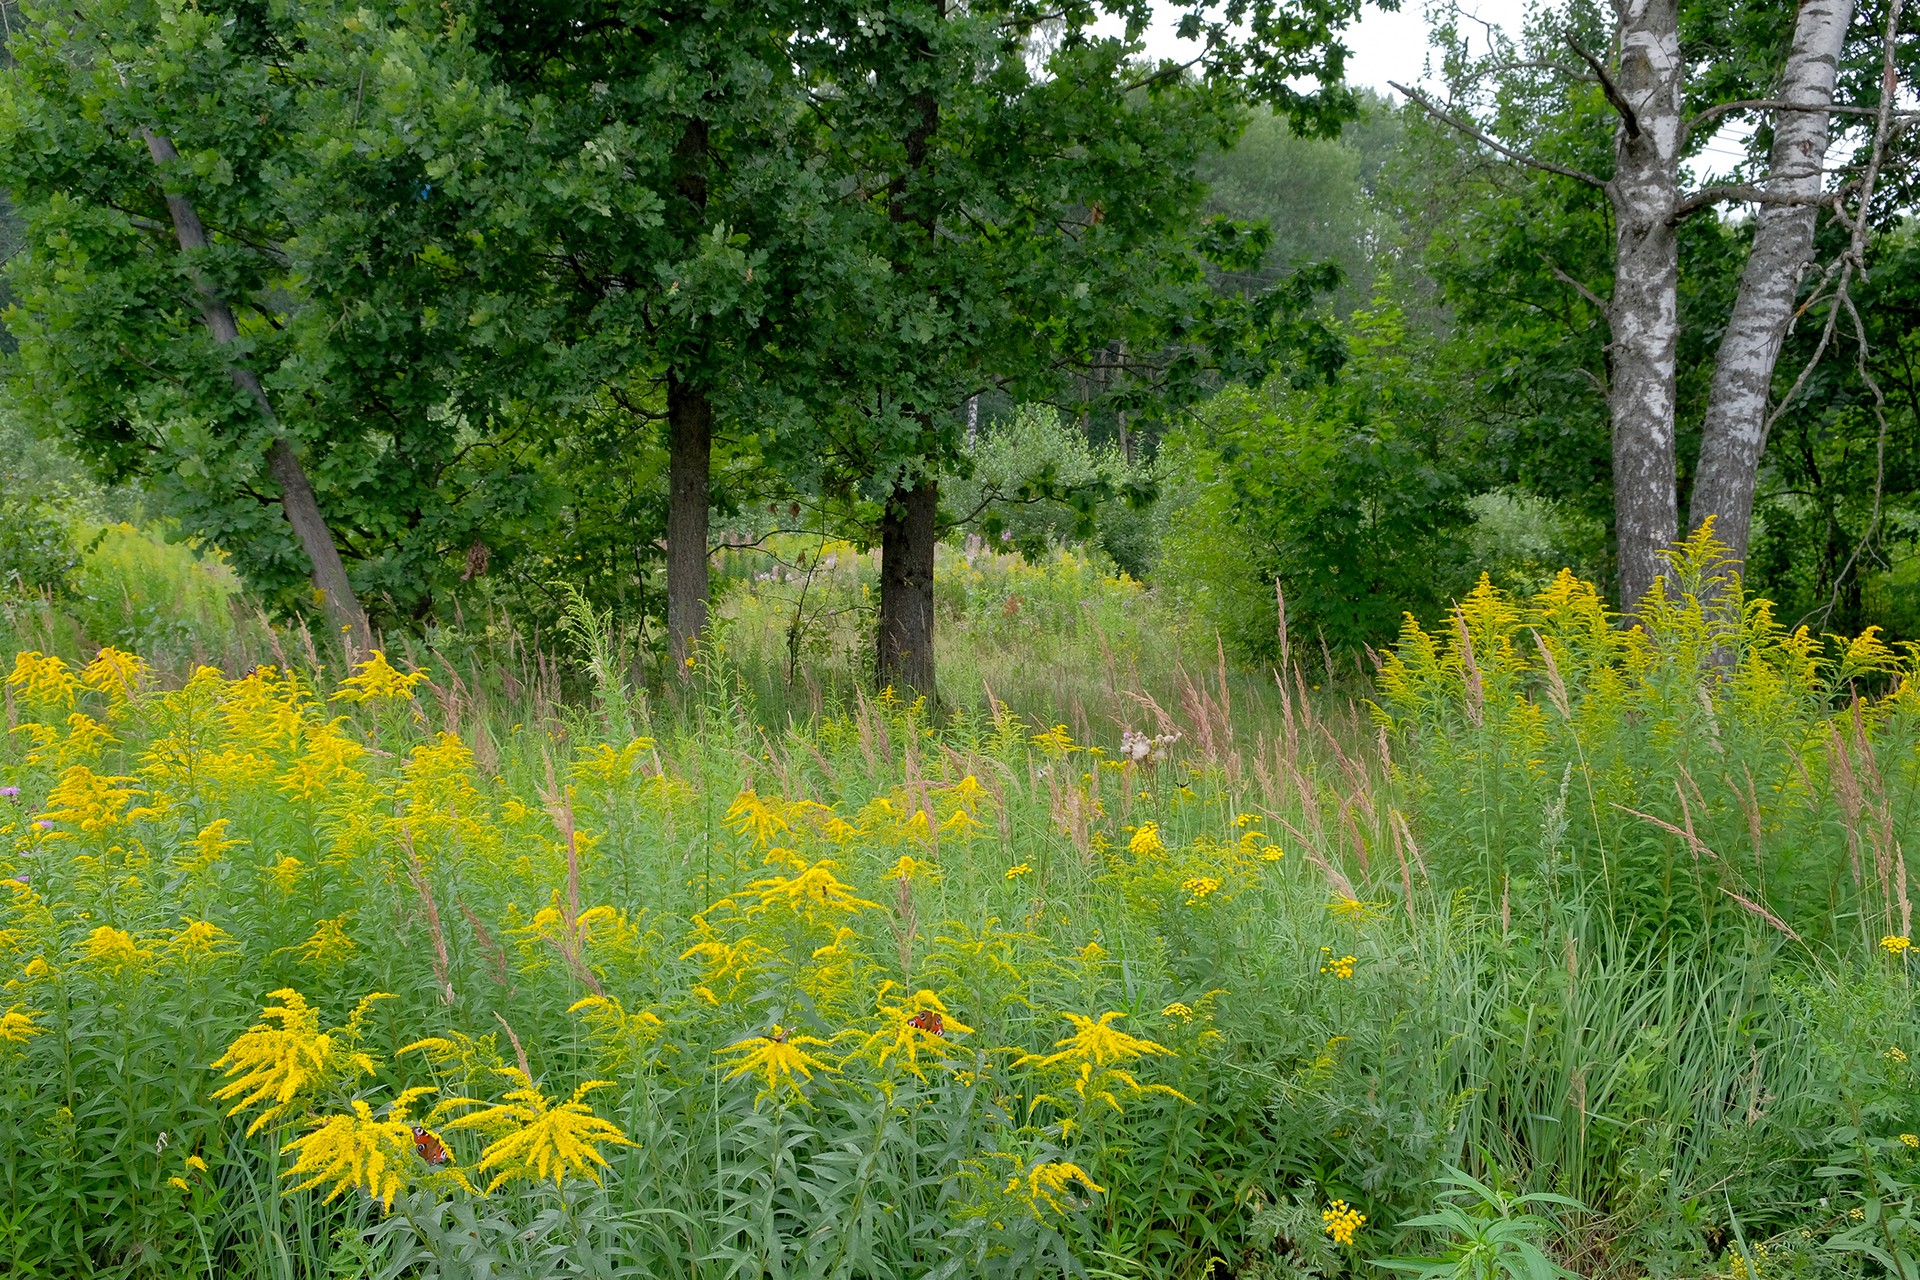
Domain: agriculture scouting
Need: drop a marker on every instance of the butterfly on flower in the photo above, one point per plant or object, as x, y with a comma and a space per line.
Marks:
431, 1149
929, 1021
779, 1034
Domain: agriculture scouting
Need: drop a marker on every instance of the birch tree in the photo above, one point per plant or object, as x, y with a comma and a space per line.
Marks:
1666, 99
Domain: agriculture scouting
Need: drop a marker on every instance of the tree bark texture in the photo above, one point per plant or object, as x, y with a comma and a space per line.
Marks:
689, 431
689, 462
1644, 311
302, 509
908, 533
1734, 433
908, 530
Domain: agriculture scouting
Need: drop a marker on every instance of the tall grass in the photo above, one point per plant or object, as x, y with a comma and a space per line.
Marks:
1502, 920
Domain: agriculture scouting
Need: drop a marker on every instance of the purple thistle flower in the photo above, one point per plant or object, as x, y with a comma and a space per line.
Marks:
9, 792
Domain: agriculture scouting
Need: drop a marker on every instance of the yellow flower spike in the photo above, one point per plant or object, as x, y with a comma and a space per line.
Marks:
750, 815
780, 1059
1177, 1011
329, 946
115, 951
44, 680
1354, 911
919, 1024
814, 889
198, 940
353, 1150
1096, 1042
16, 1025
910, 868
1053, 1184
95, 803
196, 1164
286, 873
116, 673
274, 1065
375, 680
538, 1139
1146, 840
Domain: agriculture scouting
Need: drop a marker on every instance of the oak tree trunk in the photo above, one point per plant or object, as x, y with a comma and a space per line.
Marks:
908, 533
1734, 434
283, 463
689, 431
689, 461
1644, 312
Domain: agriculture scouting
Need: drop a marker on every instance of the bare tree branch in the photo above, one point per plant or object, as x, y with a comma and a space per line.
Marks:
1774, 104
1573, 284
1742, 193
1614, 97
1519, 157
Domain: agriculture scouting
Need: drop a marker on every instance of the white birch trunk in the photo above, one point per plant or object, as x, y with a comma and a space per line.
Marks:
1734, 434
1644, 310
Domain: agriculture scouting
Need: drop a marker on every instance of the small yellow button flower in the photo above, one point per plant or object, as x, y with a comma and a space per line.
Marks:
1014, 873
1896, 944
1340, 1221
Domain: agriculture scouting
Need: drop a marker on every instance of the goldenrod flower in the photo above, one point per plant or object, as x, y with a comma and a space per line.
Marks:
1896, 944
911, 868
1053, 1184
42, 679
91, 801
780, 1059
910, 1027
198, 940
1340, 1222
178, 1183
1146, 839
273, 1065
376, 680
16, 1025
805, 892
1177, 1011
538, 1138
354, 1150
749, 814
1352, 910
1096, 1042
329, 946
1897, 1054
114, 950
1055, 741
115, 672
286, 873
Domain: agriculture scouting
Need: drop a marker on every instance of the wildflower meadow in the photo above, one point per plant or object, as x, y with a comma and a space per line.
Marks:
1570, 949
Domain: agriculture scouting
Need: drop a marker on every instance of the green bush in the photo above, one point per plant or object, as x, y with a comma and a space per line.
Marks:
1352, 496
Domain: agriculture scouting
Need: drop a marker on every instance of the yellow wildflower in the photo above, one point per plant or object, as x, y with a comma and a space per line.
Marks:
912, 868
750, 815
1146, 839
93, 802
376, 680
1177, 1011
1352, 910
1340, 1222
918, 1024
273, 1065
178, 1183
115, 672
1055, 741
779, 1058
1896, 944
1198, 887
1096, 1042
1911, 1139
1015, 872
43, 680
1897, 1054
114, 950
16, 1025
814, 889
329, 946
197, 940
538, 1138
1337, 966
354, 1150
1054, 1184
286, 873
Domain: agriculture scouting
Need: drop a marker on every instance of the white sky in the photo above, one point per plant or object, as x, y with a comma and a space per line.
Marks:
1388, 46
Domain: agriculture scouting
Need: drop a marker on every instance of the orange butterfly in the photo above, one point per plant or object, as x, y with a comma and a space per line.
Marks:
929, 1021
431, 1149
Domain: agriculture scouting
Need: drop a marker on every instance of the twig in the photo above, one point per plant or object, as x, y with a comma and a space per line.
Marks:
1521, 157
1615, 98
